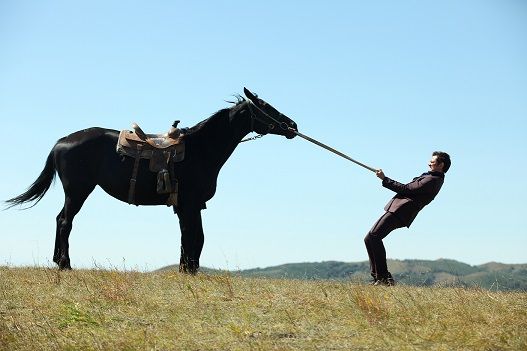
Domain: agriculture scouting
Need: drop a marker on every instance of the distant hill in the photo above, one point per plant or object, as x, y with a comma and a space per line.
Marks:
495, 276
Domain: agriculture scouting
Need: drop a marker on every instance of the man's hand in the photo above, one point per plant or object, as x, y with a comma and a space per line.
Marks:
380, 174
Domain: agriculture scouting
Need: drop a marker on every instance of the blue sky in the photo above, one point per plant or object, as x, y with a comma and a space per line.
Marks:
385, 82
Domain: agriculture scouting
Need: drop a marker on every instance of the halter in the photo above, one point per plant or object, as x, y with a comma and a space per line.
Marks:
254, 117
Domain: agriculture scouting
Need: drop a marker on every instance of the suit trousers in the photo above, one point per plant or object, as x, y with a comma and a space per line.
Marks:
373, 240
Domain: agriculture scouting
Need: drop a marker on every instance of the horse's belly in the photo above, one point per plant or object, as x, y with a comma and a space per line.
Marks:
115, 178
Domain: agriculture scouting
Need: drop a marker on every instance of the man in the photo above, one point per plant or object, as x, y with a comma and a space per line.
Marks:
401, 210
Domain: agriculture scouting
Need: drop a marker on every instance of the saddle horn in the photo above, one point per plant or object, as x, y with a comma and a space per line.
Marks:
139, 131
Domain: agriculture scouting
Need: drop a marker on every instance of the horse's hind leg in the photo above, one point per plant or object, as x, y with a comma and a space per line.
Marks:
56, 251
72, 206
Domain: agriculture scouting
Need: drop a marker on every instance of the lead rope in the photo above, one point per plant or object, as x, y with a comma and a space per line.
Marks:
329, 148
284, 126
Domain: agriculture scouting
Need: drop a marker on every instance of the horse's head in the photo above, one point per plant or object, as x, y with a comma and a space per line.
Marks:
266, 119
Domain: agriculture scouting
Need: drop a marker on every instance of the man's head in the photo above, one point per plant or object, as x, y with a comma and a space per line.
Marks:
440, 162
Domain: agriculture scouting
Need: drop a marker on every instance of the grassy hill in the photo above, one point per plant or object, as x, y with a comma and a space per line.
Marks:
46, 309
411, 272
441, 272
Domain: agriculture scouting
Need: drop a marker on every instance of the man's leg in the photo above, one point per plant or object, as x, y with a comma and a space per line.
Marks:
376, 251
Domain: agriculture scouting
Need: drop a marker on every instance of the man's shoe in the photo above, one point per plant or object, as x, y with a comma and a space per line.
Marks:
384, 282
388, 281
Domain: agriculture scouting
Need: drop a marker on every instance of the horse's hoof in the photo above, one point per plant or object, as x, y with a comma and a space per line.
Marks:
188, 270
64, 264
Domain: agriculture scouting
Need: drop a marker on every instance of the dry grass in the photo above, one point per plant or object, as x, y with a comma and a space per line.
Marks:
44, 309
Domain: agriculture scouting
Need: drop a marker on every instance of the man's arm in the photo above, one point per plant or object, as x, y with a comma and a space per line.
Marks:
419, 186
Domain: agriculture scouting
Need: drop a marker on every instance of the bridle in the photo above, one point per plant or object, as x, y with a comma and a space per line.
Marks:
255, 117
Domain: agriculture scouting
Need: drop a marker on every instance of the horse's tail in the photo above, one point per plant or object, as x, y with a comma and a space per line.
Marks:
38, 189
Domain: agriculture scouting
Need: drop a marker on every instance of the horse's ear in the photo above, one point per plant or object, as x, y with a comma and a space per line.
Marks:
250, 95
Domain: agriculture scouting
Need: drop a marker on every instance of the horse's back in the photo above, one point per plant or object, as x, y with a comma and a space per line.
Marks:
80, 154
85, 144
87, 135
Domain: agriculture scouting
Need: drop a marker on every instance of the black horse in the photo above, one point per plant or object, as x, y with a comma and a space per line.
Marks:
88, 158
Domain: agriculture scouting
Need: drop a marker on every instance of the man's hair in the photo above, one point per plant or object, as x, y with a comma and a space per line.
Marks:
444, 158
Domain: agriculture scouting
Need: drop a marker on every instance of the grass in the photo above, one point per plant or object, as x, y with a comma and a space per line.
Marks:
45, 309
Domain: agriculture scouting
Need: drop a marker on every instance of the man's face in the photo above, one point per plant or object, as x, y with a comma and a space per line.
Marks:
434, 165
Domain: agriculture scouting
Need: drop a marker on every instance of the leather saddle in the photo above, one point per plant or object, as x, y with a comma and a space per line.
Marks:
163, 150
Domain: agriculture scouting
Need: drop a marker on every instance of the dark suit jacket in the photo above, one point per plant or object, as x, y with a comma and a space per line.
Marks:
412, 197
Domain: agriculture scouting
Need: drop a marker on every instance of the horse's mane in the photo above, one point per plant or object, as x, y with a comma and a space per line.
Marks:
201, 125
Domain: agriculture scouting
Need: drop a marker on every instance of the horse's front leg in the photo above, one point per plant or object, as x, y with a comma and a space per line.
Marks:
192, 240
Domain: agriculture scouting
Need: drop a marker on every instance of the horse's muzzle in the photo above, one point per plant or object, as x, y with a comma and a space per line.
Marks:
291, 132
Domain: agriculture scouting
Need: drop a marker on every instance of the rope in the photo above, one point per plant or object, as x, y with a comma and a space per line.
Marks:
316, 142
284, 126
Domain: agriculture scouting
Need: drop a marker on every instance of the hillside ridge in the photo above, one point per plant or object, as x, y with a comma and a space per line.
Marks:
447, 272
